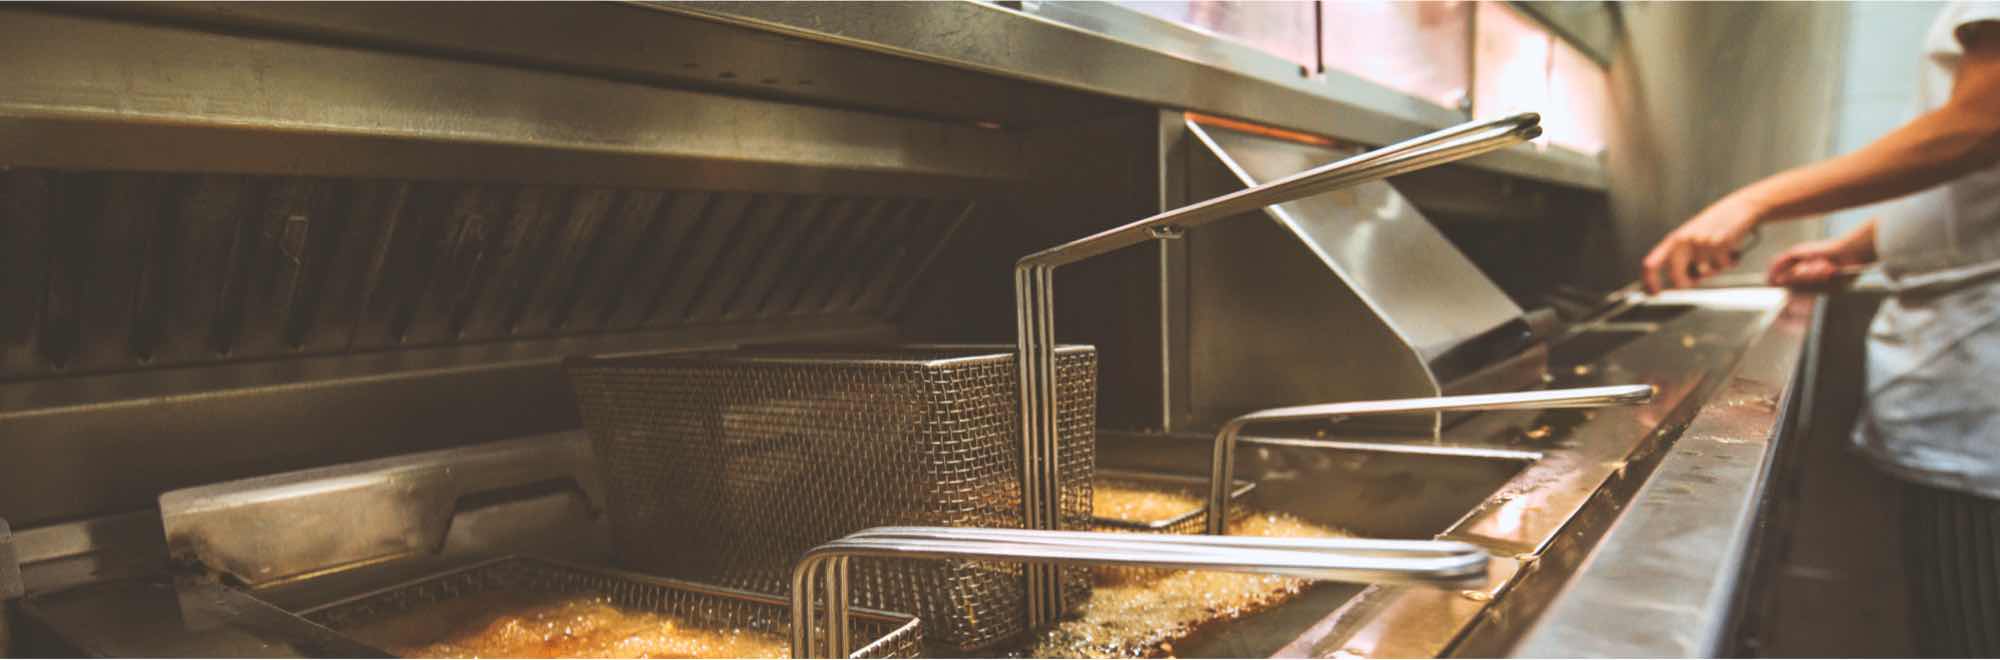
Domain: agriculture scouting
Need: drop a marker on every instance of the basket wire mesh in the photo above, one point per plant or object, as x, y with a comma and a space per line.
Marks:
888, 635
725, 468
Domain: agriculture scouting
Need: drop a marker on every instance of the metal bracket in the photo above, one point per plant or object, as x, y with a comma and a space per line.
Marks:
10, 565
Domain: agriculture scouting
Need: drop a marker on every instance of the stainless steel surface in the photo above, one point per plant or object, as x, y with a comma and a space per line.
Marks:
55, 557
82, 89
1377, 242
635, 42
10, 570
887, 635
1331, 559
161, 617
162, 429
1415, 316
1035, 306
1105, 49
1663, 582
1429, 150
768, 452
282, 526
1223, 466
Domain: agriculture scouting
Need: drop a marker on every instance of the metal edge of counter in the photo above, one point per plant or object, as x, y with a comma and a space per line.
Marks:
1104, 49
1663, 581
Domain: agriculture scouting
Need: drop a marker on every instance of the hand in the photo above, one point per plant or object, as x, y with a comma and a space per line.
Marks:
1704, 246
1817, 262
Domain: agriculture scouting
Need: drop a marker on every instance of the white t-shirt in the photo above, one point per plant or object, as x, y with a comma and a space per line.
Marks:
1933, 406
1950, 233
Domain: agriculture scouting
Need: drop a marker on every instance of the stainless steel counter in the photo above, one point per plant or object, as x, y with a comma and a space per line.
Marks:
1664, 581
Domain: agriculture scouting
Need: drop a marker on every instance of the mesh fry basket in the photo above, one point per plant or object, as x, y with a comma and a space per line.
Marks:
1192, 519
725, 467
887, 635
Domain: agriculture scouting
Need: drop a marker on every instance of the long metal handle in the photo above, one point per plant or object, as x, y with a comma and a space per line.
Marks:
1223, 463
1034, 295
1329, 559
1343, 547
1429, 150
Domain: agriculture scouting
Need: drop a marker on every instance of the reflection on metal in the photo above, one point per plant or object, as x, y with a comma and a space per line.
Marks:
1034, 292
1284, 29
279, 526
1673, 561
1110, 50
1223, 464
163, 617
83, 91
1412, 315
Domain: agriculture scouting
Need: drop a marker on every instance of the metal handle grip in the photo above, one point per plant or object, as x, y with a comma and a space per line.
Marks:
1436, 148
1344, 547
1331, 559
1034, 294
1223, 463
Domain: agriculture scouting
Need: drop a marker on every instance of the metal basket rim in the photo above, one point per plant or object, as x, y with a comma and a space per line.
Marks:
986, 354
1241, 487
874, 615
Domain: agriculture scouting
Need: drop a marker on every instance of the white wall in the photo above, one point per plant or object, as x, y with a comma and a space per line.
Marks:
1879, 85
1708, 97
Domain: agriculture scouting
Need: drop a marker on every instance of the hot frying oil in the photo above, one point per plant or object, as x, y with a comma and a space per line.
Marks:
513, 625
1140, 613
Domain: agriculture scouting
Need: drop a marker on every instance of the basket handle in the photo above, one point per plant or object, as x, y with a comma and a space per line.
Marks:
1223, 463
1351, 560
1034, 293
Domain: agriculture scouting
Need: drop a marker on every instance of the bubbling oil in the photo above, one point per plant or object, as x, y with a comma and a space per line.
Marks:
509, 625
1134, 613
1118, 501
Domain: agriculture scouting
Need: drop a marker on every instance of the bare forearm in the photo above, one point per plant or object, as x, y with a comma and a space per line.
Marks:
1859, 242
1937, 147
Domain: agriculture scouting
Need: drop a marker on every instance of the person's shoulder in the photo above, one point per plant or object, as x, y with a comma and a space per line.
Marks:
1960, 16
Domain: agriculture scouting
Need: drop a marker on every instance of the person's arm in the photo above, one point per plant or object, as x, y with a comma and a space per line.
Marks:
1818, 262
1961, 137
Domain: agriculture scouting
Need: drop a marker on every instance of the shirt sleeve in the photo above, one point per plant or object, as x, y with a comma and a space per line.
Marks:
1967, 14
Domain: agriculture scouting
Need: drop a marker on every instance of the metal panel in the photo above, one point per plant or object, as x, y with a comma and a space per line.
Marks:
630, 41
344, 514
1377, 242
1345, 296
101, 444
1110, 50
82, 91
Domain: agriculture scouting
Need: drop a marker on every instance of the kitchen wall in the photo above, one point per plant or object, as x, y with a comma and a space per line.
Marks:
1879, 85
1708, 97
